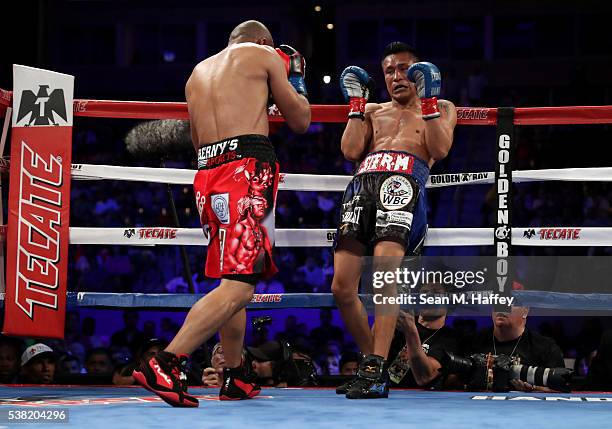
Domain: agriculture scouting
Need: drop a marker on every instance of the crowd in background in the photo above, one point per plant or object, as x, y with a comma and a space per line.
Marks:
88, 356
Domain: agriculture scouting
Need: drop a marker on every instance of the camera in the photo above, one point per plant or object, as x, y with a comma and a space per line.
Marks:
485, 371
259, 323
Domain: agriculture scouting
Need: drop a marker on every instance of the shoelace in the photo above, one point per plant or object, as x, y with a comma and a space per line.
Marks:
362, 384
177, 370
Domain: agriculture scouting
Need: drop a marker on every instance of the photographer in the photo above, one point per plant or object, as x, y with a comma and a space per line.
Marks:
276, 364
213, 375
510, 336
418, 346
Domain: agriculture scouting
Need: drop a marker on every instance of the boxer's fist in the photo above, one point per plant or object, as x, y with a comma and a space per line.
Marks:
295, 65
356, 85
428, 82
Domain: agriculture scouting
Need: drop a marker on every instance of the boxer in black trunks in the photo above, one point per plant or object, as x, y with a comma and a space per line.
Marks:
227, 96
384, 206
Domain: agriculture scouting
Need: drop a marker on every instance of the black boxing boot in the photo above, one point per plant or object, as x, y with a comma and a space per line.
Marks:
372, 379
344, 388
238, 384
163, 375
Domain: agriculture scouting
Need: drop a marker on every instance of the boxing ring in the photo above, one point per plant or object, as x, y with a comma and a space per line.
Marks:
119, 407
129, 407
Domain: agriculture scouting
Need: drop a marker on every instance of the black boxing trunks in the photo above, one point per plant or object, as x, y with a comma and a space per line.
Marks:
386, 201
235, 190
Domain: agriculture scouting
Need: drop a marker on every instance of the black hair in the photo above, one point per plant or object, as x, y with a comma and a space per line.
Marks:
349, 356
397, 47
12, 342
99, 351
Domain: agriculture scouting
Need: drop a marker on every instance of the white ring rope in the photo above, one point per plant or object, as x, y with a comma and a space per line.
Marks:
150, 236
319, 183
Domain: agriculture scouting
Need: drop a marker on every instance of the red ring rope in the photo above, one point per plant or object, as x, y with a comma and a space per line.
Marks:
337, 113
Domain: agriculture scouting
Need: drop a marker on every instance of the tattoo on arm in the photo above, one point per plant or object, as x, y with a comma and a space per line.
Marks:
446, 109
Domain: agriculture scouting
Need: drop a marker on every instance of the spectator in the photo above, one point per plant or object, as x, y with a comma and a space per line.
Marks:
168, 329
72, 329
600, 373
99, 362
68, 365
10, 349
269, 286
38, 364
88, 335
313, 274
149, 330
477, 83
77, 350
129, 336
292, 330
123, 375
177, 285
349, 363
326, 331
329, 362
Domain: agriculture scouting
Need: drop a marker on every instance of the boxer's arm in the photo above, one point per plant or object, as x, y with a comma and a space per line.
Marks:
439, 131
357, 134
194, 135
294, 107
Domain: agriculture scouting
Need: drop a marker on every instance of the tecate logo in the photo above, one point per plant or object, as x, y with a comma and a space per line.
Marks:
157, 233
38, 235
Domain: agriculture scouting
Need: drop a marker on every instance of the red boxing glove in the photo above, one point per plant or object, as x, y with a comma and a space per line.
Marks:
295, 65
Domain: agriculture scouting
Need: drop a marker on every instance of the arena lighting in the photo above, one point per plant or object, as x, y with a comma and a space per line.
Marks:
317, 8
326, 78
330, 26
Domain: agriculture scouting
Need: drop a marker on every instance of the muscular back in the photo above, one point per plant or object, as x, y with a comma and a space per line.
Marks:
228, 92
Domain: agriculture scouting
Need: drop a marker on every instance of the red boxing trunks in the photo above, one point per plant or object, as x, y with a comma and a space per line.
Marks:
235, 190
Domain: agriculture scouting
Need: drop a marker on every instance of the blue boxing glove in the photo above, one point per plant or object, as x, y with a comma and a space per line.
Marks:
356, 85
428, 81
295, 65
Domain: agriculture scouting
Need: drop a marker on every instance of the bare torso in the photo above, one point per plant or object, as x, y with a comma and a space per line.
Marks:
227, 94
398, 128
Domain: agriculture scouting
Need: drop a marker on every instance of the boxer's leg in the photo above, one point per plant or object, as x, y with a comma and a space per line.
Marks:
345, 287
232, 338
209, 314
163, 373
387, 258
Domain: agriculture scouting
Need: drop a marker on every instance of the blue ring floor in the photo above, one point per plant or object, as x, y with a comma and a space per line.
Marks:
133, 407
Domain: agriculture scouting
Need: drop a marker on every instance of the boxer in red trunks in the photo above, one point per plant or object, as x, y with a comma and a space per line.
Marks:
235, 187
